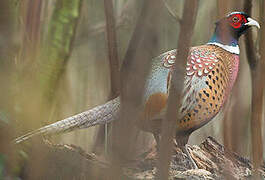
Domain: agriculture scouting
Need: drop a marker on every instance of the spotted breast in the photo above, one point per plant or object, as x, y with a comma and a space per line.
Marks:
211, 72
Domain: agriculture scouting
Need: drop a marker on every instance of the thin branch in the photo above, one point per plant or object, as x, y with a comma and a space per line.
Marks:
114, 68
231, 118
257, 76
250, 45
99, 28
32, 30
175, 92
112, 48
171, 12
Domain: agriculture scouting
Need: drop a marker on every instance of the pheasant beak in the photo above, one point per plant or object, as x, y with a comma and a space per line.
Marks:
252, 22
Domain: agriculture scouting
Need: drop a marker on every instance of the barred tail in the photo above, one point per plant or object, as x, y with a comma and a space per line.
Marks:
101, 114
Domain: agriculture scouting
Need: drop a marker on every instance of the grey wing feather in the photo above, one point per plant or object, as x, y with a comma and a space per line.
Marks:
157, 79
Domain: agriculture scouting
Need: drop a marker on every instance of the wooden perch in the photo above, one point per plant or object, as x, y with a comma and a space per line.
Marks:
71, 162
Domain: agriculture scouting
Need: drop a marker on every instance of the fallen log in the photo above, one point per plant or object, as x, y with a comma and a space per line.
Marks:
71, 162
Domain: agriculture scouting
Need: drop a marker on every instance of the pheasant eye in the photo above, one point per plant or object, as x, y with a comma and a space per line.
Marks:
235, 19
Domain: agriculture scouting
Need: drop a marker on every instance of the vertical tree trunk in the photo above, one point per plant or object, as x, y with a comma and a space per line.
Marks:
223, 10
143, 46
31, 13
175, 92
112, 49
59, 44
257, 75
114, 69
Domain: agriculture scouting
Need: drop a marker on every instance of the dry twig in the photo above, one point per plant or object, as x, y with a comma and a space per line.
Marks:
171, 12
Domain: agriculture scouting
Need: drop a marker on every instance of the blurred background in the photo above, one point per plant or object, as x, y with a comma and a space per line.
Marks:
54, 64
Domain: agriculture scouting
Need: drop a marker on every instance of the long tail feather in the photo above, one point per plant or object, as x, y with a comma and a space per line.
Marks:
101, 114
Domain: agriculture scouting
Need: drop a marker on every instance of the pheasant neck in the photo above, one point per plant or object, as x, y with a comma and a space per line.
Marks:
227, 42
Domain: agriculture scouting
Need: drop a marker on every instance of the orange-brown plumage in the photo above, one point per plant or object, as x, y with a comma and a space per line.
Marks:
149, 120
211, 98
204, 93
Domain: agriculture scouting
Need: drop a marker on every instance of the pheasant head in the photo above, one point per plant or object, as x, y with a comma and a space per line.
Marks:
230, 28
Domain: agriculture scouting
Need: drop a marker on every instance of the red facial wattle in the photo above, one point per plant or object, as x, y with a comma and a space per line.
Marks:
237, 20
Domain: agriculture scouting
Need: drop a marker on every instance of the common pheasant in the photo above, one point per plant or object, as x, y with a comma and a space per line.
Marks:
210, 74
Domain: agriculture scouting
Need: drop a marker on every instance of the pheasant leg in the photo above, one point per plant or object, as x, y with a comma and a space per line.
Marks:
186, 151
